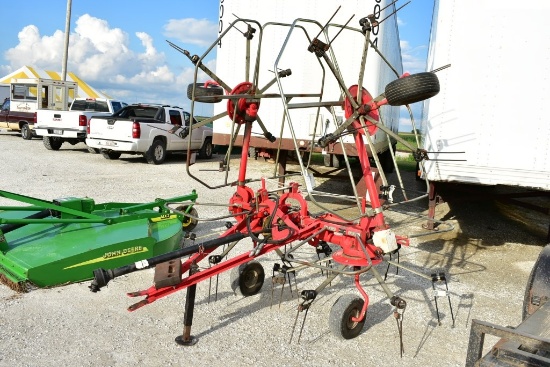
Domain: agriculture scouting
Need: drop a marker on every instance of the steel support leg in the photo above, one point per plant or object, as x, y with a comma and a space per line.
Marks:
186, 339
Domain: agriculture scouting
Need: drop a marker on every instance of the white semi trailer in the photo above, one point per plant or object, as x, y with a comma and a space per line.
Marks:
490, 116
307, 75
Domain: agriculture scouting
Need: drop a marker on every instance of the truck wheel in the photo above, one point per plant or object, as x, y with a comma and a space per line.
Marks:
206, 149
51, 143
156, 153
26, 132
202, 91
93, 150
412, 88
111, 154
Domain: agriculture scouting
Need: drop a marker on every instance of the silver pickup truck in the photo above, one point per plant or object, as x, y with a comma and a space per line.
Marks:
148, 129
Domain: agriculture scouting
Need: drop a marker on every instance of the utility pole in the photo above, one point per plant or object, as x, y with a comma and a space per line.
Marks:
66, 48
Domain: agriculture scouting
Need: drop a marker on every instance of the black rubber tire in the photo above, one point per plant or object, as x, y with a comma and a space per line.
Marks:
52, 143
247, 279
206, 149
93, 150
538, 281
111, 154
339, 321
201, 91
252, 153
156, 153
26, 132
412, 88
188, 223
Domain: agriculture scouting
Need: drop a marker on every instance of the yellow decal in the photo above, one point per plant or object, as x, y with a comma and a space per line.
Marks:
164, 217
112, 255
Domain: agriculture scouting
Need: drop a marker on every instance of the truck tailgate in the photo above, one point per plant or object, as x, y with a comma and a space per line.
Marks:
110, 128
47, 118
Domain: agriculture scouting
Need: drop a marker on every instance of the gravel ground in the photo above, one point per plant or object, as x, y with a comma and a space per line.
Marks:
488, 257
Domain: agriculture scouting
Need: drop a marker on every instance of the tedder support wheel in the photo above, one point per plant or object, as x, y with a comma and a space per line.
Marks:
341, 313
52, 143
538, 284
156, 154
412, 88
247, 279
210, 91
189, 223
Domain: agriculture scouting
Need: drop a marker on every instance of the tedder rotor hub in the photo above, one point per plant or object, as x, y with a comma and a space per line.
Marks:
245, 109
349, 110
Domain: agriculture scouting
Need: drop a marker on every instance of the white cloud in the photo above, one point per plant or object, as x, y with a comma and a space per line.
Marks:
101, 55
201, 32
414, 58
40, 50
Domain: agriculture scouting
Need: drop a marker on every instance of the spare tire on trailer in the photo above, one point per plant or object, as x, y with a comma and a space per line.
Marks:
201, 92
412, 88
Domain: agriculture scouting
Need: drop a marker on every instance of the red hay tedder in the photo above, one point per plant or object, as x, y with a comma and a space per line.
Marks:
279, 219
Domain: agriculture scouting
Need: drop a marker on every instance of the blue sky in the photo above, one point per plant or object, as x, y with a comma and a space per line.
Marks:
119, 46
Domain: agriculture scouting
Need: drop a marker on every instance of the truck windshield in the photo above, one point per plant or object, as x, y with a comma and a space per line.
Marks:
138, 111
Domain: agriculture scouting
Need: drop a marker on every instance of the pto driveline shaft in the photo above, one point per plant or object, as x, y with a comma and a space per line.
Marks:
102, 276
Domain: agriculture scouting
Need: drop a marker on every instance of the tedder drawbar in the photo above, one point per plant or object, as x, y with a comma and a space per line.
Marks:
352, 239
47, 243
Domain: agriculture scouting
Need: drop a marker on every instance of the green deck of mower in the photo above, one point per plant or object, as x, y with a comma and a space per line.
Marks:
63, 241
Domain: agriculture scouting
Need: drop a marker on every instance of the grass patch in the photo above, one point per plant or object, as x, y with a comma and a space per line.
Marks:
409, 138
407, 165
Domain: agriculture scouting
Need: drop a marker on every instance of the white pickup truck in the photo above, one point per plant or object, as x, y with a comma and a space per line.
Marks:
57, 127
149, 129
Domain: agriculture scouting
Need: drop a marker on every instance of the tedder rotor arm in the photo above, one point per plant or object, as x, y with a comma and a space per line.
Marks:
403, 91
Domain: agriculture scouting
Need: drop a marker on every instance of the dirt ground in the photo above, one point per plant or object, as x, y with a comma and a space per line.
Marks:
487, 257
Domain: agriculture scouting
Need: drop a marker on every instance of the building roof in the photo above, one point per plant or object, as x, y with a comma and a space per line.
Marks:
84, 89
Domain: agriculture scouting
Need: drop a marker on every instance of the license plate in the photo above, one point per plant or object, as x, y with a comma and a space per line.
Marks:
58, 132
110, 143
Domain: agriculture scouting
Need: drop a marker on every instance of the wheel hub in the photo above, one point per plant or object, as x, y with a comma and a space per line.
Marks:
245, 109
349, 110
